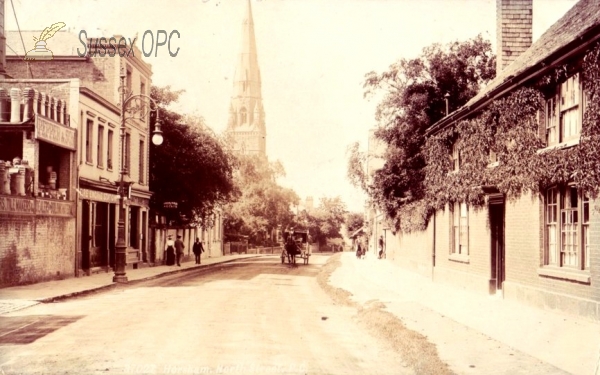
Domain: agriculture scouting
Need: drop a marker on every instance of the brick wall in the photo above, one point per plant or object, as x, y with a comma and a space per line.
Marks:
513, 30
99, 74
524, 226
35, 249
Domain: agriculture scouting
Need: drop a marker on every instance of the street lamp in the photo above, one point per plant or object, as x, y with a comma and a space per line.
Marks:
132, 106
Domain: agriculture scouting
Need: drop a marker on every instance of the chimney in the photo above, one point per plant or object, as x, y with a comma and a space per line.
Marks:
2, 43
514, 30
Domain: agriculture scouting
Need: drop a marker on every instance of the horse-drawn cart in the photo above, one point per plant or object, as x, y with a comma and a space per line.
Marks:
296, 244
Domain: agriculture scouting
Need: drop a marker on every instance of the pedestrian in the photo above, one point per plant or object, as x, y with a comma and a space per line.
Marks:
198, 250
381, 247
179, 246
358, 250
170, 250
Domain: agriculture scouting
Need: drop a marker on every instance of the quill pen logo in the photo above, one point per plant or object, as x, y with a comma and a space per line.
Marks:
41, 52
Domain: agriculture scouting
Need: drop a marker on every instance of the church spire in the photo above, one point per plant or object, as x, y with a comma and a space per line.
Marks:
247, 74
246, 114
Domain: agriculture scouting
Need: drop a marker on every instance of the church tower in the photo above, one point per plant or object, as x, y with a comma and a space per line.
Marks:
246, 126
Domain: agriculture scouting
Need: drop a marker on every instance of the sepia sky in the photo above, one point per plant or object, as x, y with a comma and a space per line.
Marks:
313, 55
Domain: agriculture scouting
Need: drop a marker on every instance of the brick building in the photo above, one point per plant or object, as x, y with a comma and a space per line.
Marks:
95, 113
542, 248
37, 169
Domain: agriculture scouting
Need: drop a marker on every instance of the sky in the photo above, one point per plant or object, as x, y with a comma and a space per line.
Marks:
313, 56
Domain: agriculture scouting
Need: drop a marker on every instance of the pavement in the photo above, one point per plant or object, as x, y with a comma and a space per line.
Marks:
20, 297
475, 333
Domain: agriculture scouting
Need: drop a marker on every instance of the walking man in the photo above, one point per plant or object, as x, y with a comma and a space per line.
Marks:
381, 247
198, 250
179, 246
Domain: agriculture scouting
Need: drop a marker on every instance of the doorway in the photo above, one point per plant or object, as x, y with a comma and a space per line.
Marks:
85, 235
496, 210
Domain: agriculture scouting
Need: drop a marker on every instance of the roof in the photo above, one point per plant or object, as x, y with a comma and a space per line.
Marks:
63, 43
579, 21
357, 232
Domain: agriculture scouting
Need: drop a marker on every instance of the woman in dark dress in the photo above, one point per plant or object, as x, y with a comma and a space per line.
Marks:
170, 251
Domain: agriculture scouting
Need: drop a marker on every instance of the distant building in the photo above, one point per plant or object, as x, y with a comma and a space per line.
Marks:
246, 127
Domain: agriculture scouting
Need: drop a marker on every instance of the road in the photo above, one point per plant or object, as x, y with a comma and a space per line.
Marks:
251, 316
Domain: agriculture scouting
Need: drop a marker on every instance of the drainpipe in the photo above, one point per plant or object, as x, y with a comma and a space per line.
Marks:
433, 246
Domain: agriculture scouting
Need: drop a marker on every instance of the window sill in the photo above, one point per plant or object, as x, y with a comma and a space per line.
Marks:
89, 163
564, 274
461, 258
100, 167
494, 164
560, 146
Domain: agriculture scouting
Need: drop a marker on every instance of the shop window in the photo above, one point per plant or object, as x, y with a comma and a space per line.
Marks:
54, 173
89, 134
109, 149
567, 217
100, 146
459, 224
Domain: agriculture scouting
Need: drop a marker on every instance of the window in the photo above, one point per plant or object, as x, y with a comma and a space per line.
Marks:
142, 157
563, 112
128, 80
143, 87
127, 153
100, 146
109, 150
567, 227
243, 116
89, 140
455, 157
459, 222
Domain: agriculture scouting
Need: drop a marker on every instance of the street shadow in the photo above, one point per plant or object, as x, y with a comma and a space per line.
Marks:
21, 330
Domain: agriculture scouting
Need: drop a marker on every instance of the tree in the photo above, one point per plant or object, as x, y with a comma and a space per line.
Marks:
414, 99
354, 221
326, 220
261, 204
191, 167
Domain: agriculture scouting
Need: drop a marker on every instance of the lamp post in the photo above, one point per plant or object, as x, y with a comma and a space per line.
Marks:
138, 108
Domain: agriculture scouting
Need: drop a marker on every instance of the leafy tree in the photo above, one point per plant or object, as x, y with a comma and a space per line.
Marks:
326, 220
354, 221
261, 204
191, 167
413, 99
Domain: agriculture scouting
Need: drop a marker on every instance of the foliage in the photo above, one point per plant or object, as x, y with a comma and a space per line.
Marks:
354, 221
588, 157
357, 166
326, 220
191, 167
513, 127
261, 203
414, 99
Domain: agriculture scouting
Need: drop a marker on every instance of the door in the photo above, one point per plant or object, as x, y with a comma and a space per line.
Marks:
112, 237
85, 235
497, 246
144, 234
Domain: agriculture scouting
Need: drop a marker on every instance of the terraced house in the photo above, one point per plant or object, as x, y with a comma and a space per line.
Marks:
516, 171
